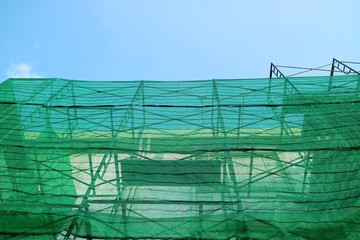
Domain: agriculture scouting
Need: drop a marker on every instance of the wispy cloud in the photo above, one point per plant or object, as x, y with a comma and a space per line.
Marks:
22, 70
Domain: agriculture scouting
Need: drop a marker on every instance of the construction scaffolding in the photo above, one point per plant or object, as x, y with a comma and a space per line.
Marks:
272, 158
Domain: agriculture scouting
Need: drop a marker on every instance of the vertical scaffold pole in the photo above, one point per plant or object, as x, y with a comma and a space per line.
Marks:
275, 71
230, 164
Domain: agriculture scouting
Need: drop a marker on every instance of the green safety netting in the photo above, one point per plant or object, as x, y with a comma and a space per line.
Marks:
216, 159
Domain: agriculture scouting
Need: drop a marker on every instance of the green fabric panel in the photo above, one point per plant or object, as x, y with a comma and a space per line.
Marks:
213, 159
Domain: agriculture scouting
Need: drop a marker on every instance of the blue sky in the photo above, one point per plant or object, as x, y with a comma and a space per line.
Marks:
172, 40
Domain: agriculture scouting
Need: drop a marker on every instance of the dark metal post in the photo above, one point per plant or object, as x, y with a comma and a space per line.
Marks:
332, 68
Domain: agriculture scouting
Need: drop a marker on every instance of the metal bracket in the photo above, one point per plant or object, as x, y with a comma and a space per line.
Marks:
274, 70
342, 67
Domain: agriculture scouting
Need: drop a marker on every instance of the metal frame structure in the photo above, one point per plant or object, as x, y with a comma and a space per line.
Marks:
290, 88
227, 166
336, 64
110, 160
106, 170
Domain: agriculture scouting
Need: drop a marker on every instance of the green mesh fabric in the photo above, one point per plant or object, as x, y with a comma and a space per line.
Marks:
216, 159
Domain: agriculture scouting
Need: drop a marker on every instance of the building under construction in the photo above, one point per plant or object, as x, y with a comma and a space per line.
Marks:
271, 158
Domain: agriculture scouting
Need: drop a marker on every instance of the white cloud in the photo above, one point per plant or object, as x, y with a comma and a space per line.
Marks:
22, 70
